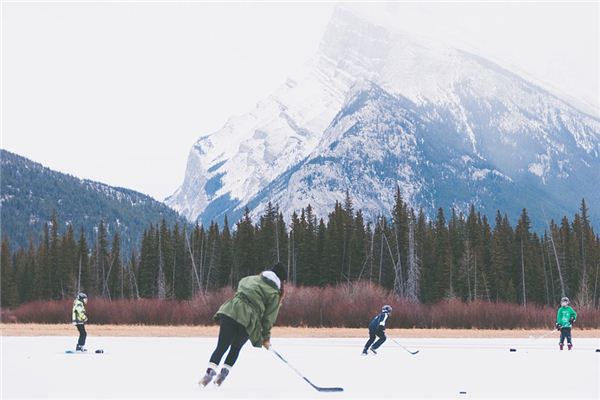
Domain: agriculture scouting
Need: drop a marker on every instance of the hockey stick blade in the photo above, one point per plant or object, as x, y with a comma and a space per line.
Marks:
324, 389
411, 352
318, 388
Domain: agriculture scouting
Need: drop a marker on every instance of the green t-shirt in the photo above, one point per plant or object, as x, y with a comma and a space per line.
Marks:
563, 316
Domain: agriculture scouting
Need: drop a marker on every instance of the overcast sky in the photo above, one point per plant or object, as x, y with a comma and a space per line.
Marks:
119, 92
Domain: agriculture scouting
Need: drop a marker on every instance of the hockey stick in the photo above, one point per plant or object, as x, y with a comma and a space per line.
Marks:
411, 352
320, 389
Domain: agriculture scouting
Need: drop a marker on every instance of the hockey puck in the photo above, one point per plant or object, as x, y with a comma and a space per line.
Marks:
99, 351
513, 349
597, 350
462, 392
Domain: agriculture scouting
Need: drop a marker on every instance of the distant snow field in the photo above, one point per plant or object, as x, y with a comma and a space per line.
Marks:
153, 368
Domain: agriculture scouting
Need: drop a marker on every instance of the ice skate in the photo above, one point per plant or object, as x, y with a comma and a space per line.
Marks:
221, 377
210, 374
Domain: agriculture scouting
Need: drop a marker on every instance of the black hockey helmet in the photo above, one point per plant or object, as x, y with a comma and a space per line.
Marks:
82, 296
564, 301
386, 309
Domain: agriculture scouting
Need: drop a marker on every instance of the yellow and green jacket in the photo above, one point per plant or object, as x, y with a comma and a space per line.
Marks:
79, 317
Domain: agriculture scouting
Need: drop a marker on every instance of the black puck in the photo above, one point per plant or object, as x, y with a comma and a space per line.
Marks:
99, 351
513, 349
597, 350
462, 392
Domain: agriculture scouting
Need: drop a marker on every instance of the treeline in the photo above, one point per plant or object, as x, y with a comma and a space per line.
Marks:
418, 259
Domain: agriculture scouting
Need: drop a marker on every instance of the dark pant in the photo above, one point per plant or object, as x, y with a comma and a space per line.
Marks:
565, 333
232, 336
379, 342
82, 334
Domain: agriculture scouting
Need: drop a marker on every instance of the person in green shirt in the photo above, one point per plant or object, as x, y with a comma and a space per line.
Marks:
564, 321
250, 314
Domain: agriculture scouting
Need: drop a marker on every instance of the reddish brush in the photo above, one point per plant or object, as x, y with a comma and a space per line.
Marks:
345, 305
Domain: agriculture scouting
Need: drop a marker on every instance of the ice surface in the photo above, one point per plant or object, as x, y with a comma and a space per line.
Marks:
152, 368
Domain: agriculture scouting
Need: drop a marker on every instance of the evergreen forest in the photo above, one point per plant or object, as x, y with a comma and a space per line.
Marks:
415, 257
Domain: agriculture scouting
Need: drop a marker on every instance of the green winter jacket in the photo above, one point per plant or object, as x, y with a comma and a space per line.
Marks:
563, 316
79, 316
255, 306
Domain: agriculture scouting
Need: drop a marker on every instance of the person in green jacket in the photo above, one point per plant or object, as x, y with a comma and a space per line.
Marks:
564, 321
250, 314
79, 319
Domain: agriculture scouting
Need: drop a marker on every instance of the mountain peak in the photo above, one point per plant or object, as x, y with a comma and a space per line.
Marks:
462, 122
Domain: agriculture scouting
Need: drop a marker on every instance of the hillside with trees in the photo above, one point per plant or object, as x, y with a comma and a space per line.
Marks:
31, 193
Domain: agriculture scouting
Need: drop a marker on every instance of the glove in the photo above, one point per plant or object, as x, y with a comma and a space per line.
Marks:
266, 344
572, 319
558, 326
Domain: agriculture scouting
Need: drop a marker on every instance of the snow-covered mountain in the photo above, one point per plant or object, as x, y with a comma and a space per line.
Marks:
378, 108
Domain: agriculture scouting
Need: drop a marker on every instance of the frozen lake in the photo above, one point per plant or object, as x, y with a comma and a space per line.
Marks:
131, 367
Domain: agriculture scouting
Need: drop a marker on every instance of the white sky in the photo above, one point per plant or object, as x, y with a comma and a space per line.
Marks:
119, 92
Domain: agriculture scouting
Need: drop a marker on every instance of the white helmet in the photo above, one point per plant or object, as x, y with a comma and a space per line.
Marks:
564, 301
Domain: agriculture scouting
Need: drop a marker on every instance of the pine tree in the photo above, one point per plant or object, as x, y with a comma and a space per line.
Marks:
115, 274
213, 256
54, 260
584, 236
245, 250
43, 289
99, 262
358, 248
148, 266
320, 258
182, 265
502, 260
9, 297
267, 238
83, 266
400, 241
443, 269
461, 259
486, 258
26, 273
295, 248
413, 263
67, 264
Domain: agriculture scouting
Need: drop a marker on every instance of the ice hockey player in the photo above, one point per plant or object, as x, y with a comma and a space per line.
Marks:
250, 314
79, 319
564, 321
377, 328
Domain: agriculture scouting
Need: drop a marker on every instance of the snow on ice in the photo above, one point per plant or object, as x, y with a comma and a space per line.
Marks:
157, 368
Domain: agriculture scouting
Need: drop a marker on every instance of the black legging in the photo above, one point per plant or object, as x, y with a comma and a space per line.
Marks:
565, 333
232, 334
379, 342
82, 334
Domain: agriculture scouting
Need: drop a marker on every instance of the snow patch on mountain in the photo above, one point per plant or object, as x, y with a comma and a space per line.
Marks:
376, 109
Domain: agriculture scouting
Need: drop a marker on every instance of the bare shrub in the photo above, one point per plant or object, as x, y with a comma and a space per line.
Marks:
349, 305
